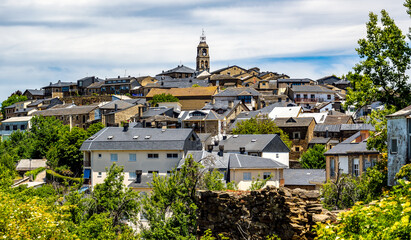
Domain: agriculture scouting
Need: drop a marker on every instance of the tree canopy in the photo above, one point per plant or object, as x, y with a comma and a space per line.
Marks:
163, 98
314, 157
261, 125
381, 75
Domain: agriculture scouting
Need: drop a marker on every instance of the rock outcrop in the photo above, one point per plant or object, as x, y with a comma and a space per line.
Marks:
288, 213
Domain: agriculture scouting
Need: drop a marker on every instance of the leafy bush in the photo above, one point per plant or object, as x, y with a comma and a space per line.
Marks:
314, 157
257, 184
404, 173
388, 218
51, 175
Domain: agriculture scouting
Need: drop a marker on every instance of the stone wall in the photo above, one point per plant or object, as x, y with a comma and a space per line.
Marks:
290, 214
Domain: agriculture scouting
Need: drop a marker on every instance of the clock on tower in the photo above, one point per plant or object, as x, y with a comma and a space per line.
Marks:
203, 56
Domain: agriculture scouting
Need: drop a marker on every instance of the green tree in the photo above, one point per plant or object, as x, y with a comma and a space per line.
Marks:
163, 98
261, 125
381, 76
171, 207
14, 98
314, 157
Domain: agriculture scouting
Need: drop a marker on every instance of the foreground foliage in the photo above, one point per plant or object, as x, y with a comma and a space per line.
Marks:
388, 218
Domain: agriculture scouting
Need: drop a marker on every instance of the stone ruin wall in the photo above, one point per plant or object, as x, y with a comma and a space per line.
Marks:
288, 213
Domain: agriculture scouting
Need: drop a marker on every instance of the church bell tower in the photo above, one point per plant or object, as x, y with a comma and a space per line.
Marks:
203, 55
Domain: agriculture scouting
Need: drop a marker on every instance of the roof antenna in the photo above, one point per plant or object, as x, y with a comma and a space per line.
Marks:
125, 72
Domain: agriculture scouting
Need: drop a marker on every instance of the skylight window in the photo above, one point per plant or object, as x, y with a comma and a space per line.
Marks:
135, 137
110, 137
253, 140
147, 137
235, 136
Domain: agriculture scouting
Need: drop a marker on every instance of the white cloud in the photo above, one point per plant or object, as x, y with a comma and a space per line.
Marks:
104, 37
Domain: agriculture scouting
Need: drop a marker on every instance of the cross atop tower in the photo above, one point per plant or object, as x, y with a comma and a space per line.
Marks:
203, 37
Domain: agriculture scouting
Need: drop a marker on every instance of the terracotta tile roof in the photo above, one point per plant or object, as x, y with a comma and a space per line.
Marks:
182, 92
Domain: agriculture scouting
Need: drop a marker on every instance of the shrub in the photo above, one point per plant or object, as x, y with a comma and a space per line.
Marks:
35, 172
53, 176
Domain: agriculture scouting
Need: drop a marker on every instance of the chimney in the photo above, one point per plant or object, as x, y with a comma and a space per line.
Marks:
118, 77
242, 150
326, 132
224, 137
213, 100
125, 126
210, 148
221, 152
115, 107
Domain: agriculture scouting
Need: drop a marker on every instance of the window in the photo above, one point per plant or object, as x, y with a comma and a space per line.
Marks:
312, 96
332, 167
297, 149
114, 157
14, 127
394, 145
266, 175
132, 157
22, 127
328, 97
247, 176
356, 167
296, 135
99, 155
99, 175
152, 155
279, 99
298, 96
132, 175
172, 155
305, 96
7, 128
151, 172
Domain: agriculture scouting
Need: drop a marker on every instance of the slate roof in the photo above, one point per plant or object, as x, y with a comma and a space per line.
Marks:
220, 104
311, 89
319, 117
169, 82
225, 68
208, 159
324, 127
145, 180
337, 119
208, 115
294, 80
247, 162
11, 106
66, 111
170, 139
179, 69
319, 140
96, 84
153, 111
233, 92
121, 104
253, 143
35, 92
347, 147
219, 77
402, 113
303, 177
357, 127
184, 92
61, 84
299, 122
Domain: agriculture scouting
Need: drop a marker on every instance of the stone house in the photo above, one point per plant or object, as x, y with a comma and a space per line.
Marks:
283, 84
84, 83
202, 121
94, 88
189, 98
34, 94
300, 131
121, 85
141, 151
224, 81
75, 116
248, 96
231, 70
308, 96
115, 118
228, 110
60, 89
8, 126
19, 109
351, 156
399, 141
261, 145
180, 71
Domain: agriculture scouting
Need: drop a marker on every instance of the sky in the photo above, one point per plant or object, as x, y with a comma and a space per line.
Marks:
44, 41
